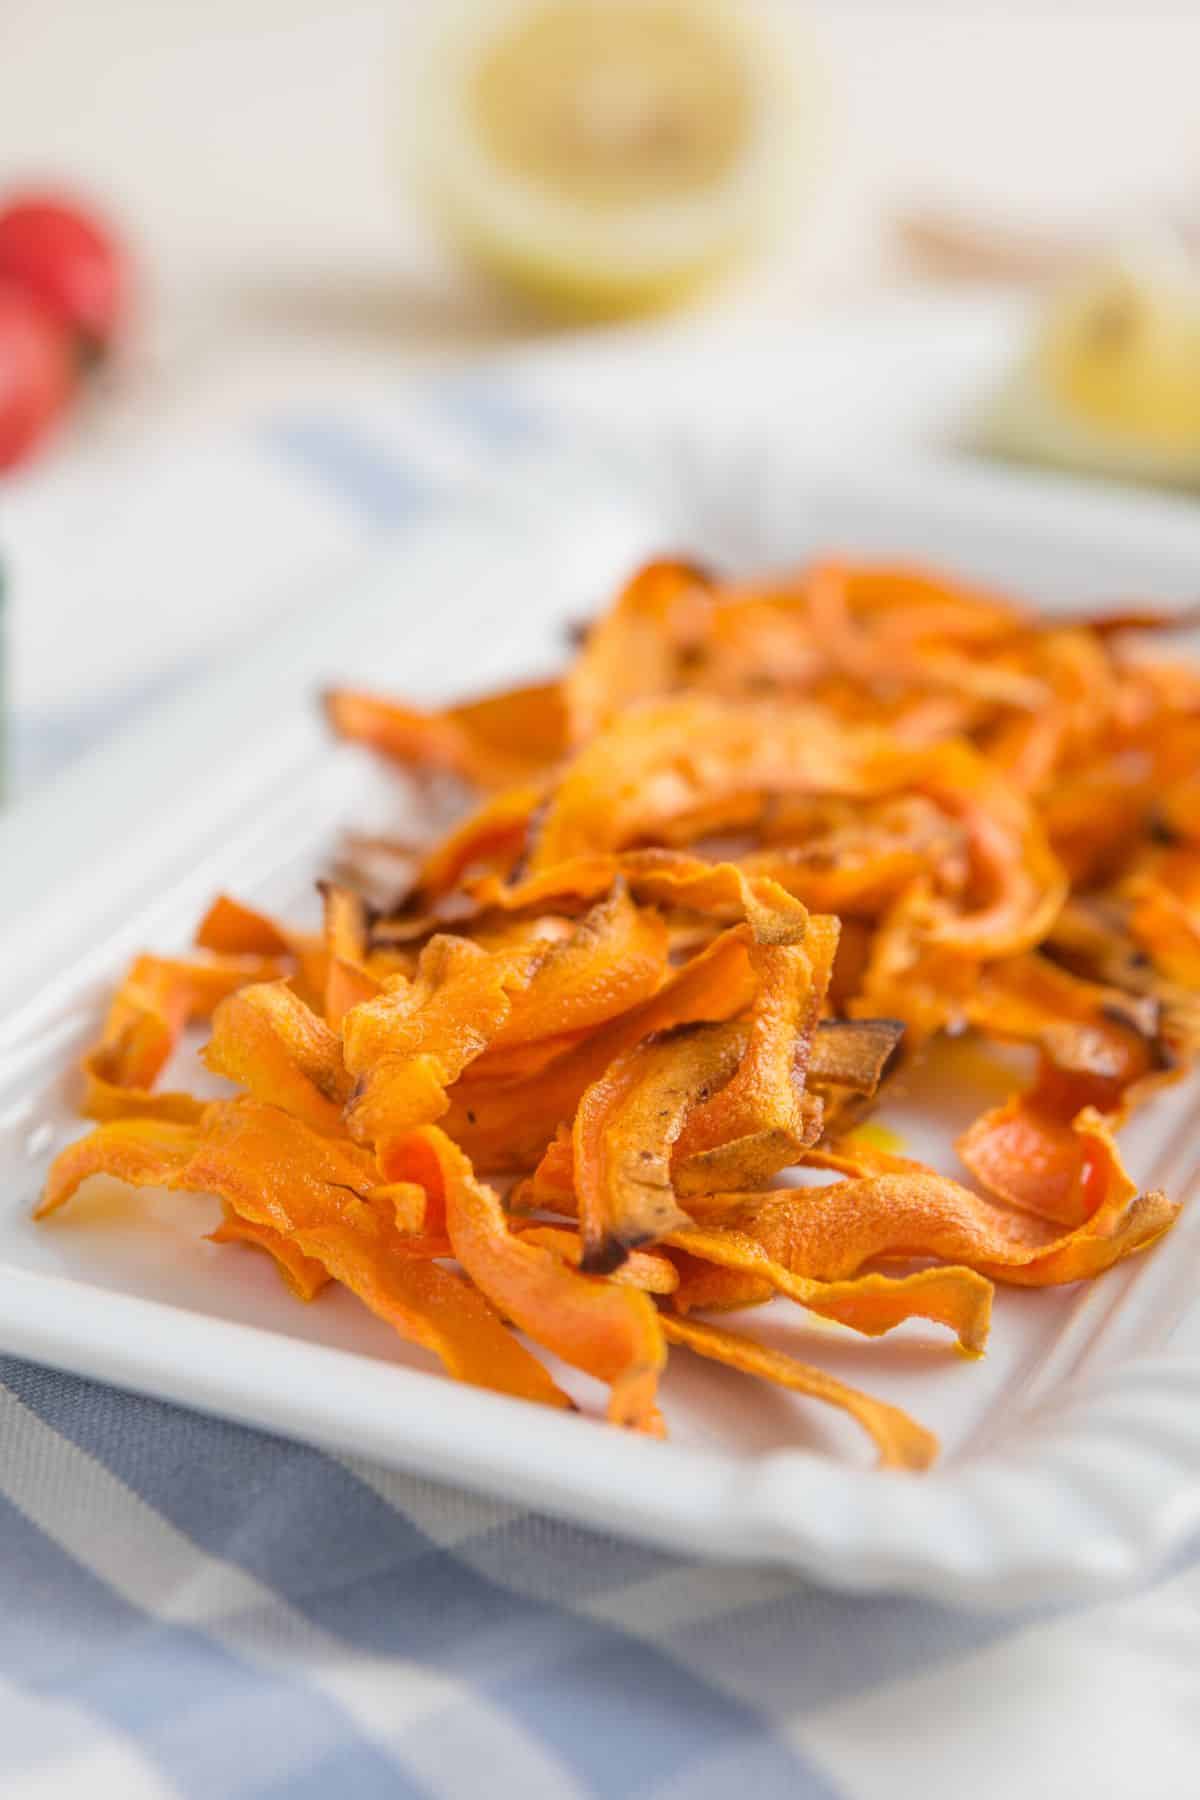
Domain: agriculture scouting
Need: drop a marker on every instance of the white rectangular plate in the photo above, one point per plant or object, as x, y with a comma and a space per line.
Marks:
1072, 1453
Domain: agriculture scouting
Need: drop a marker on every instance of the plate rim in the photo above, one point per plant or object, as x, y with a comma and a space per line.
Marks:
956, 1534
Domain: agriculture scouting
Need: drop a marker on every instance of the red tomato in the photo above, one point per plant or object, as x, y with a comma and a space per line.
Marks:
70, 261
37, 372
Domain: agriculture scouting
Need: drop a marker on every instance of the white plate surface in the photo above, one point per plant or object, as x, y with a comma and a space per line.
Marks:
1072, 1453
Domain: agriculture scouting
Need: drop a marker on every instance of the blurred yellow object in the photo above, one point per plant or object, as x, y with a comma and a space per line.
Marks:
607, 157
1111, 382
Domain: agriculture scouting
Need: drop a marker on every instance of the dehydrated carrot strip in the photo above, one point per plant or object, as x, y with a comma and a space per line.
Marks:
838, 1054
1096, 1034
665, 758
615, 958
1099, 1048
626, 1128
145, 1022
722, 890
1029, 1155
490, 838
649, 1270
610, 1331
506, 1125
888, 656
406, 735
831, 1233
551, 1187
232, 927
643, 645
758, 1122
516, 732
408, 1045
142, 1152
299, 1273
274, 1046
668, 757
959, 1298
1164, 918
901, 1442
274, 1171
348, 981
489, 741
854, 1053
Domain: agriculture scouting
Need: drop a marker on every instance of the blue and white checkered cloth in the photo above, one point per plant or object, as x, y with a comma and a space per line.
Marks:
191, 1608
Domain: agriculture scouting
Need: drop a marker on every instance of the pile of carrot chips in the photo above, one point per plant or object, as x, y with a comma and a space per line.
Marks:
707, 894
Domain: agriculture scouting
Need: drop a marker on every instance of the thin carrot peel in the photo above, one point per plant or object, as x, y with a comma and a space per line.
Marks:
758, 1122
408, 1045
626, 1126
157, 999
279, 1050
301, 1274
755, 850
872, 1304
832, 1233
610, 1331
275, 1173
348, 979
901, 1442
486, 741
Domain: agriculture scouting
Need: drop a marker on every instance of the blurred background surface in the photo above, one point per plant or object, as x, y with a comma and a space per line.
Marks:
257, 157
252, 150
